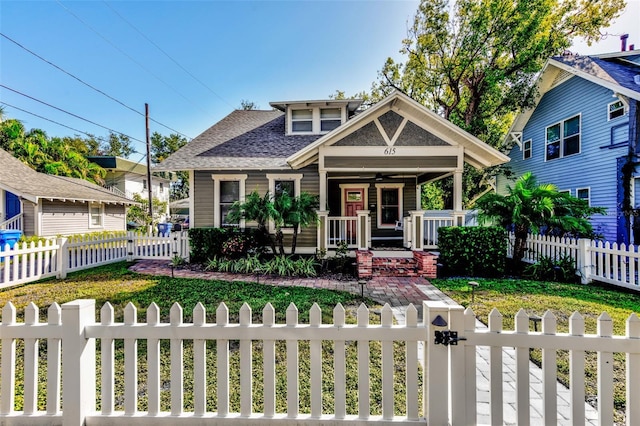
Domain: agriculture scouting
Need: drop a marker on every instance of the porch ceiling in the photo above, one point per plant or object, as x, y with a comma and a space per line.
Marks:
399, 163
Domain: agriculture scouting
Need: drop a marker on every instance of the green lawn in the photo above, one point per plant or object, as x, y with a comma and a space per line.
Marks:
562, 299
114, 283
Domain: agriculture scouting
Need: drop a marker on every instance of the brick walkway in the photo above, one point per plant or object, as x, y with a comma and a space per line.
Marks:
399, 293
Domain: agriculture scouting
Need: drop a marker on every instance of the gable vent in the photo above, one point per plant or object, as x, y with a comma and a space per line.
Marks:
561, 77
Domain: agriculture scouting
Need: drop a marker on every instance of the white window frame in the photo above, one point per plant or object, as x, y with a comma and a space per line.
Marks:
241, 178
273, 177
562, 138
525, 150
586, 188
379, 187
100, 206
316, 120
564, 191
624, 110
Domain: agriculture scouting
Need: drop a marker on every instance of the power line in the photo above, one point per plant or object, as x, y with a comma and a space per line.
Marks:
89, 85
130, 57
51, 121
71, 114
167, 55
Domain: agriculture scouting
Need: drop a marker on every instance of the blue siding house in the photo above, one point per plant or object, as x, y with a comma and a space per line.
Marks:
583, 133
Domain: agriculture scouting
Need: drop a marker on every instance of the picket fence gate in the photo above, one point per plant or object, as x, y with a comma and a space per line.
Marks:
448, 376
28, 262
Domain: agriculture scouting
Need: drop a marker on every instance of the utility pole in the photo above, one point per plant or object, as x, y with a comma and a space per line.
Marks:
150, 191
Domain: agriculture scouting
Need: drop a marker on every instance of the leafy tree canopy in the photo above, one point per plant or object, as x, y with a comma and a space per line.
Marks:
161, 148
475, 62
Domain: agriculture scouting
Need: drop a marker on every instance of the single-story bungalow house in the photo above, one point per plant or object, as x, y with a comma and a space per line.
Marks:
366, 166
48, 205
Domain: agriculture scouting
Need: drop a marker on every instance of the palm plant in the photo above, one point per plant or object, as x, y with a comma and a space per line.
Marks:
303, 213
532, 207
257, 209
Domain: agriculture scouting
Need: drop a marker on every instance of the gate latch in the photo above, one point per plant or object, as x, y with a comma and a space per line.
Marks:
447, 337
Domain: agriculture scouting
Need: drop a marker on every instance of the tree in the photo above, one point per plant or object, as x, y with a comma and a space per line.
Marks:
475, 62
256, 209
161, 148
532, 207
119, 145
303, 213
139, 213
246, 105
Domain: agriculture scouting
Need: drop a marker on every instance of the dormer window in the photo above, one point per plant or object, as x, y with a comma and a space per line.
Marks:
330, 118
301, 120
315, 120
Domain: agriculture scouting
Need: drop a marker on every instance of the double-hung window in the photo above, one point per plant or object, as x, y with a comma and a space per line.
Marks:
96, 214
302, 120
526, 149
227, 190
563, 138
330, 118
584, 194
389, 204
281, 183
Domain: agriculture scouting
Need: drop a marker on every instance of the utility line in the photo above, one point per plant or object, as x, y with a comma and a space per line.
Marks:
131, 58
166, 54
71, 114
89, 85
54, 122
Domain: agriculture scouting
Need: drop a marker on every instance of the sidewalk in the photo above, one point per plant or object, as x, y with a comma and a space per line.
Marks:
399, 293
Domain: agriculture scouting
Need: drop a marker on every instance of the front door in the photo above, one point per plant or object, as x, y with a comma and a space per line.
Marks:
353, 201
12, 205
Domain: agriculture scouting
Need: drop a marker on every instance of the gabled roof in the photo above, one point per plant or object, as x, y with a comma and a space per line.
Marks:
242, 140
615, 71
22, 180
477, 153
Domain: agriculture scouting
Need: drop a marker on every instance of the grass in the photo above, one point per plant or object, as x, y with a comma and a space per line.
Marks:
119, 286
562, 299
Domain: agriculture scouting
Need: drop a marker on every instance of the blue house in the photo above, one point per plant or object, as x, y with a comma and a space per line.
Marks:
583, 134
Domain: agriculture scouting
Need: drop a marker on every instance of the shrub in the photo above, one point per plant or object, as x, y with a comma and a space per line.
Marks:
208, 243
473, 250
549, 269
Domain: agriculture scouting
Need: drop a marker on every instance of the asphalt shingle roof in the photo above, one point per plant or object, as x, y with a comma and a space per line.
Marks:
241, 140
611, 70
22, 180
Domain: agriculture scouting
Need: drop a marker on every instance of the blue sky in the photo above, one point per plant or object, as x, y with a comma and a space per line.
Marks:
259, 51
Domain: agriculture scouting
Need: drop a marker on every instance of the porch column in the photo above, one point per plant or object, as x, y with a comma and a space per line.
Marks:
364, 229
417, 229
323, 189
457, 198
321, 242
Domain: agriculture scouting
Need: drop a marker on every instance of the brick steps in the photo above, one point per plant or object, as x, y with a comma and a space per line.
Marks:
422, 264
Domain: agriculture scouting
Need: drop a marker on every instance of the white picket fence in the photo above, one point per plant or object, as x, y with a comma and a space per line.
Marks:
27, 262
451, 394
611, 263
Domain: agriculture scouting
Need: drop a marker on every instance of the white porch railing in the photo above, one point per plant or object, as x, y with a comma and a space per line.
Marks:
15, 223
27, 262
342, 228
72, 332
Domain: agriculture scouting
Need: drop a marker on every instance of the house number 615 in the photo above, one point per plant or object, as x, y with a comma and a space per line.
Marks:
390, 151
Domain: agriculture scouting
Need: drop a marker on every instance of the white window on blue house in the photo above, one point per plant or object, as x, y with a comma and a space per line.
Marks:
584, 194
565, 191
526, 149
616, 109
563, 138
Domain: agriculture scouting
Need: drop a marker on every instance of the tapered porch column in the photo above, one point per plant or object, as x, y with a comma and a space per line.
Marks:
417, 230
321, 241
364, 229
458, 215
323, 190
